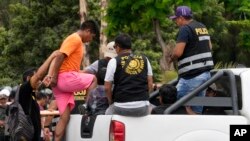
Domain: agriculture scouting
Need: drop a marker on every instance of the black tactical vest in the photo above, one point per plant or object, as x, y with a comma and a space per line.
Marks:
197, 56
130, 78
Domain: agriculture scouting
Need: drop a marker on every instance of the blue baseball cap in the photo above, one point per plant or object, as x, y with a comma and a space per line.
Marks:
184, 11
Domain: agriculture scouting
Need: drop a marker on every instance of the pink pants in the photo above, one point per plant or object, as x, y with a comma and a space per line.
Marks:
67, 84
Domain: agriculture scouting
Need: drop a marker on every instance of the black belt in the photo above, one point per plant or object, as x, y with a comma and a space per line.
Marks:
195, 62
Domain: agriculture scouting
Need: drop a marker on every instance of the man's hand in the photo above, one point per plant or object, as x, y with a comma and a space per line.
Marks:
53, 81
46, 133
34, 82
190, 111
50, 81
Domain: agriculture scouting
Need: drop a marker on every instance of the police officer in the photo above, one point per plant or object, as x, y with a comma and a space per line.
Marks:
193, 52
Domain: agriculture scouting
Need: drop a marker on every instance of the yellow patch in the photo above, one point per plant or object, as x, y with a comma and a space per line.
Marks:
201, 31
135, 66
81, 95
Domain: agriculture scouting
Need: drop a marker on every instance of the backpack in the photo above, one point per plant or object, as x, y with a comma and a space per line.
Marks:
101, 71
20, 124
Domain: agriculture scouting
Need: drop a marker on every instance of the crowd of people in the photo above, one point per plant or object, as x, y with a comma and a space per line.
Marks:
118, 84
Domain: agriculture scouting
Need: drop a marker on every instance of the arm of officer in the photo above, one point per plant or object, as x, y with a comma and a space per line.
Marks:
178, 50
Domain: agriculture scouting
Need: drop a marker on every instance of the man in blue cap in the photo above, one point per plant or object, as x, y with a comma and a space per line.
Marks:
193, 52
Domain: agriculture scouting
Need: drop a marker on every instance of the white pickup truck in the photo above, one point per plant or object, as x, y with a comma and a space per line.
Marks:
234, 84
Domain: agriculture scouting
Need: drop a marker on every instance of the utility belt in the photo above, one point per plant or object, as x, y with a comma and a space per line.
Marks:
194, 68
204, 61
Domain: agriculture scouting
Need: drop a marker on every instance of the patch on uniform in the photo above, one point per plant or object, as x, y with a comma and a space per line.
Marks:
135, 66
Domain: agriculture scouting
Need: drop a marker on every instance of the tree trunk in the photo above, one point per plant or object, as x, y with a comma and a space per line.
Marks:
103, 37
83, 10
83, 16
166, 49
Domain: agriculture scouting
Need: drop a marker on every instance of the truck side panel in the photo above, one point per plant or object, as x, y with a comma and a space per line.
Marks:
245, 83
179, 127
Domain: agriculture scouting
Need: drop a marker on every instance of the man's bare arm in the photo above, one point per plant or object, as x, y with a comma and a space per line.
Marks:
51, 78
52, 107
178, 51
150, 83
42, 70
108, 91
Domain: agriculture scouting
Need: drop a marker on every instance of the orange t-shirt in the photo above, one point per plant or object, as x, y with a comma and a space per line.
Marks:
72, 46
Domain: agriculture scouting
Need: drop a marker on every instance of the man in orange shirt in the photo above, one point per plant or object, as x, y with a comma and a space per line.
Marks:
65, 77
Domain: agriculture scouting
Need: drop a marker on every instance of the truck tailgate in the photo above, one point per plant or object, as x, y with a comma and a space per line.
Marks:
100, 131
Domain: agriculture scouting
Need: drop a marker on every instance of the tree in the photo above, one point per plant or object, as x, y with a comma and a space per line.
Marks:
145, 19
103, 37
31, 29
137, 17
238, 23
34, 31
83, 16
144, 16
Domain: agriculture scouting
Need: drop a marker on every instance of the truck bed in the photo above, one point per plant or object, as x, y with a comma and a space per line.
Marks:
160, 127
234, 84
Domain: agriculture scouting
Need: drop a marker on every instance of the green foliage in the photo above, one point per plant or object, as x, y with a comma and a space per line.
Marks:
236, 42
3, 38
144, 46
237, 9
31, 29
223, 65
8, 81
134, 16
94, 12
243, 33
138, 22
35, 30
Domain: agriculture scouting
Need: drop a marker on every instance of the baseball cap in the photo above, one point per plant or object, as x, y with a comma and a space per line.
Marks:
4, 93
109, 50
184, 11
46, 91
124, 41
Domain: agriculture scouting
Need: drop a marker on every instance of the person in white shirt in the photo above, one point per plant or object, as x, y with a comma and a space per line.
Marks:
132, 77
